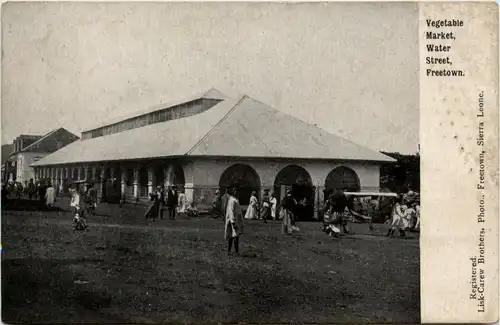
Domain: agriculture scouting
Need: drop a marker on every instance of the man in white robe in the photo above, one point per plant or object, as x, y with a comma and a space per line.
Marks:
50, 196
234, 223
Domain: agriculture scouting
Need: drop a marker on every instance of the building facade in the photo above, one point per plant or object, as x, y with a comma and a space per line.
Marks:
208, 142
28, 149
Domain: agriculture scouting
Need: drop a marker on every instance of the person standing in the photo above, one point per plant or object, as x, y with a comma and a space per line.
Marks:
78, 206
182, 202
223, 203
216, 205
50, 196
31, 189
160, 192
172, 201
397, 221
273, 203
252, 209
234, 223
287, 209
92, 193
152, 212
339, 203
265, 211
41, 191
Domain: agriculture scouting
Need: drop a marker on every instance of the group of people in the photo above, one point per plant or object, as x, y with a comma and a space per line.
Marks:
405, 215
171, 200
83, 203
41, 190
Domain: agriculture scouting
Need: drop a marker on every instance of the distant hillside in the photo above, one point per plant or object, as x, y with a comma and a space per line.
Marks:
6, 150
402, 175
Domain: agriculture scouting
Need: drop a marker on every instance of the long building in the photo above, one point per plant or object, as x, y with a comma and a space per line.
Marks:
211, 141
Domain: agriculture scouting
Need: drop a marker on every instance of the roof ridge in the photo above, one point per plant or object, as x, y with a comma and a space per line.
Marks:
331, 133
150, 109
206, 92
197, 144
43, 137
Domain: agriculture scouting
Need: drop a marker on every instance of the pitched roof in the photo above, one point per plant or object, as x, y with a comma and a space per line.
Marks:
237, 128
171, 138
255, 129
42, 138
51, 141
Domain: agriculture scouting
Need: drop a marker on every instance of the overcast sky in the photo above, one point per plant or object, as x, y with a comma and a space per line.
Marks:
350, 68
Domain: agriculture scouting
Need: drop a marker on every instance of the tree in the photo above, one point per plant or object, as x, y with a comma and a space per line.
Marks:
403, 175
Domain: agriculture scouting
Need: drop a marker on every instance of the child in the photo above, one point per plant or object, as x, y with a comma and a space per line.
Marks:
192, 211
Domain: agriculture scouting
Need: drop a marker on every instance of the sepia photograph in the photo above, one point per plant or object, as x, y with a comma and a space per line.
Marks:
210, 162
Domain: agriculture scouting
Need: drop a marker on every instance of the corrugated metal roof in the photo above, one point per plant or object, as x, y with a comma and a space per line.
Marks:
238, 128
210, 94
254, 129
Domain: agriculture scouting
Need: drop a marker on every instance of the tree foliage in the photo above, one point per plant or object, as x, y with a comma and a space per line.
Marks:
402, 175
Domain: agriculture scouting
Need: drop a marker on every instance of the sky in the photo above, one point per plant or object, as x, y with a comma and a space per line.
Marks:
349, 68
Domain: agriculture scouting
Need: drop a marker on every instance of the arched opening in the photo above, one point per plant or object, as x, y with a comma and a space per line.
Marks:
143, 182
298, 180
244, 178
175, 177
113, 184
129, 177
159, 173
88, 174
342, 178
178, 178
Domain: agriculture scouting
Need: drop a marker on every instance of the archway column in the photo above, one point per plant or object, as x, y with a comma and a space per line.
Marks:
54, 178
123, 183
166, 176
169, 175
86, 172
136, 181
59, 180
151, 176
102, 183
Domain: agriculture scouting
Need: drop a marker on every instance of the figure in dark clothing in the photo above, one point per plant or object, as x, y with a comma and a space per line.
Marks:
31, 189
161, 200
288, 208
266, 207
172, 201
152, 212
41, 192
217, 205
338, 204
223, 203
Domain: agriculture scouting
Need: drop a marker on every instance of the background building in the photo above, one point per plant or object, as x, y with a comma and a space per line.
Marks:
211, 141
27, 149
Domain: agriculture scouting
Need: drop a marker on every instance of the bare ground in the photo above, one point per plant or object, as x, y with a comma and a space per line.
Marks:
124, 270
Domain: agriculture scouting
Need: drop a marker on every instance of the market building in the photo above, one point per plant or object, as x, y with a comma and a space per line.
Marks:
211, 141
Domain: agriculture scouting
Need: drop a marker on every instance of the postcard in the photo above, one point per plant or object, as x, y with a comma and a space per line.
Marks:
249, 162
